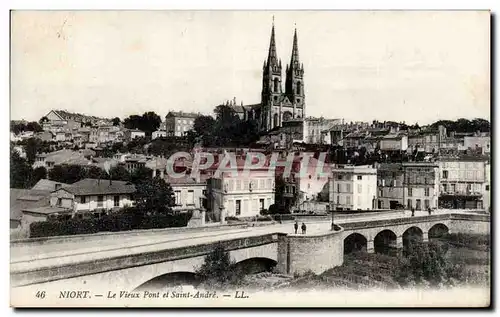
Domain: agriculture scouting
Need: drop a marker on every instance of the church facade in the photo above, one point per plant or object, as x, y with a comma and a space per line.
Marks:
281, 100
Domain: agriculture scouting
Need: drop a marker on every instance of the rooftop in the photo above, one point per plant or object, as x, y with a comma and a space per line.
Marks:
91, 186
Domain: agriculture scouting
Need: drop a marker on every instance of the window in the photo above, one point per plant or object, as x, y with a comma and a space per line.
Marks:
360, 188
445, 188
348, 200
59, 202
469, 187
261, 203
453, 188
82, 200
427, 203
487, 187
100, 201
204, 192
410, 192
177, 195
339, 177
238, 207
338, 188
238, 184
419, 205
276, 84
338, 199
190, 197
116, 201
410, 205
360, 177
445, 174
293, 189
348, 188
426, 191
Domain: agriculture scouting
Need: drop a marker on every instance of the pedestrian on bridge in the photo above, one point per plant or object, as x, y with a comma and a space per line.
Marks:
429, 210
296, 226
304, 228
413, 212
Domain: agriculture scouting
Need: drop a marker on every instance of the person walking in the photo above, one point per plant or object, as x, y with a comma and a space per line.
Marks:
304, 228
296, 226
413, 212
429, 210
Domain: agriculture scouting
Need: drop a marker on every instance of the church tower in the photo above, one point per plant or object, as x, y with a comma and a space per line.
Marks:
271, 85
294, 85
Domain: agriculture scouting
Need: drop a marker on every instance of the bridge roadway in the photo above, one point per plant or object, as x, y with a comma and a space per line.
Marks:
27, 256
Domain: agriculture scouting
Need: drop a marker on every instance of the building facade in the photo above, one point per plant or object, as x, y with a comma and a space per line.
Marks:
353, 187
463, 182
177, 123
237, 194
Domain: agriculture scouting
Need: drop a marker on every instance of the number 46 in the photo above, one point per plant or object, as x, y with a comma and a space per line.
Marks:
40, 294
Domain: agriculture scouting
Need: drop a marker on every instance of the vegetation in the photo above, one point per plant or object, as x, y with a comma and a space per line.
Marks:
154, 196
148, 122
227, 129
22, 175
218, 271
464, 125
23, 127
70, 174
127, 219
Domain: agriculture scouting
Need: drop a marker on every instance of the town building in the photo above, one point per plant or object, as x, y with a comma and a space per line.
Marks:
316, 130
92, 196
408, 185
65, 120
69, 157
394, 142
463, 182
177, 123
353, 187
234, 193
480, 143
158, 134
131, 134
189, 192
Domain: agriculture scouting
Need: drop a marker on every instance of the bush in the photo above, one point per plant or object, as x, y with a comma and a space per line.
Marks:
218, 271
232, 218
130, 219
264, 218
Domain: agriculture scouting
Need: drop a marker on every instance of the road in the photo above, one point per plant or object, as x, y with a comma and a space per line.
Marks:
24, 256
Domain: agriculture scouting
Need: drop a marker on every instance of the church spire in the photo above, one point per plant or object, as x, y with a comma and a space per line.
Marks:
272, 59
295, 51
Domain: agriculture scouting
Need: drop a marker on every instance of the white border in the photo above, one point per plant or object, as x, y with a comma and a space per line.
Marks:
6, 5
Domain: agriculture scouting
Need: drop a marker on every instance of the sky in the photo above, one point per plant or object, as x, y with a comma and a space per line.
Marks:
411, 66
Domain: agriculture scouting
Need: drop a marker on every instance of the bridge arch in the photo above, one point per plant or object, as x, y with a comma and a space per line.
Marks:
385, 241
256, 265
413, 235
355, 242
438, 230
173, 279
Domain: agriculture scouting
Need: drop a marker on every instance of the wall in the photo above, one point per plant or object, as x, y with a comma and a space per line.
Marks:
108, 202
317, 253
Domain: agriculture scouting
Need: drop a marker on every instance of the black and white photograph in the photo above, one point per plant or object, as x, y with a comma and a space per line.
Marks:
205, 158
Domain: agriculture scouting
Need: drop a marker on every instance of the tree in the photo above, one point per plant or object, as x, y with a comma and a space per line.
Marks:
43, 120
425, 263
95, 172
38, 174
67, 173
20, 171
33, 126
154, 196
148, 122
141, 174
218, 270
32, 148
116, 121
119, 173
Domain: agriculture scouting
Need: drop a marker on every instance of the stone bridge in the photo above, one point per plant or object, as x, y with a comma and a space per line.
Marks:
147, 265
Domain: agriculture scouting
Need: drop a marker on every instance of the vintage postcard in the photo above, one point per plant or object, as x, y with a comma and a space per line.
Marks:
250, 159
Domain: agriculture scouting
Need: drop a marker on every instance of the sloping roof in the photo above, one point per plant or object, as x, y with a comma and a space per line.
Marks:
46, 185
66, 115
21, 199
182, 114
90, 186
46, 210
